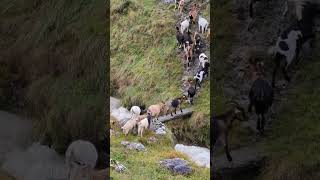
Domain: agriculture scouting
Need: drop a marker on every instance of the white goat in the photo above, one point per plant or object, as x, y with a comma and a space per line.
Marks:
202, 60
184, 25
203, 24
129, 125
135, 111
143, 124
81, 158
298, 5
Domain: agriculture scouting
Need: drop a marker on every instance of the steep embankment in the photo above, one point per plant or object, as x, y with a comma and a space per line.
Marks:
52, 67
146, 66
289, 144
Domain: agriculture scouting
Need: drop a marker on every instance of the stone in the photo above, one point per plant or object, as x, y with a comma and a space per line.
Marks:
177, 166
199, 155
133, 145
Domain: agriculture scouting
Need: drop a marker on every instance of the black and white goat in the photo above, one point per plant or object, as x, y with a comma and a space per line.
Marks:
199, 78
291, 40
222, 124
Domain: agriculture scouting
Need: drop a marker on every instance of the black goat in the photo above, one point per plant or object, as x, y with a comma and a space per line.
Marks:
206, 69
251, 3
261, 97
221, 126
191, 93
175, 104
180, 37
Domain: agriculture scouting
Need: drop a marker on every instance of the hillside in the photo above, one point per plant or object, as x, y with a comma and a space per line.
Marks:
52, 67
146, 67
290, 141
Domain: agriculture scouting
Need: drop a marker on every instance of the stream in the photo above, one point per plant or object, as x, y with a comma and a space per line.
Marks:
199, 155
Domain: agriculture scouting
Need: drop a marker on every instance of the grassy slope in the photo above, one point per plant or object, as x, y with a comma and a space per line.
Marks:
294, 145
145, 165
53, 54
145, 67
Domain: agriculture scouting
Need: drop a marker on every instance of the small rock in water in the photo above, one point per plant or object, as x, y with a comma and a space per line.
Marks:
177, 165
133, 145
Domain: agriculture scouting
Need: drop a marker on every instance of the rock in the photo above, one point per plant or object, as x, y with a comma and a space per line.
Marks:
199, 155
133, 145
152, 140
117, 166
177, 165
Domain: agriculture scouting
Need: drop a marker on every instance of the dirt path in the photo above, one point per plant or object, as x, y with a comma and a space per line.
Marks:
193, 69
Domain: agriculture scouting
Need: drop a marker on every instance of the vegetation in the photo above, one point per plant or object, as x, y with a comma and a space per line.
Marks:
145, 66
145, 165
52, 67
292, 147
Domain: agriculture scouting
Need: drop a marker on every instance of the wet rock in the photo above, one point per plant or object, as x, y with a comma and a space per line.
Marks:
177, 166
133, 145
199, 155
167, 1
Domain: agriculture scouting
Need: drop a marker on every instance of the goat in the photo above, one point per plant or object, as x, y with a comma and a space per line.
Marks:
206, 69
299, 5
155, 110
187, 39
81, 158
203, 24
251, 3
143, 124
193, 13
202, 59
221, 126
260, 95
174, 104
198, 77
187, 54
135, 111
291, 40
181, 5
191, 93
184, 25
197, 44
176, 4
130, 124
180, 37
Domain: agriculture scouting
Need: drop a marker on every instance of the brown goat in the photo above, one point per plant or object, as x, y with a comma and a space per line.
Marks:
193, 14
188, 54
156, 109
222, 125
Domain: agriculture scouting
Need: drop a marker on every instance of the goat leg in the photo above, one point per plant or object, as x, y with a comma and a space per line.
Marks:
258, 123
274, 75
250, 107
227, 149
262, 123
285, 74
181, 110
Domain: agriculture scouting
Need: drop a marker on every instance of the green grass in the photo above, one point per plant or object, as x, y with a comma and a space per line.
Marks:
224, 36
293, 146
54, 54
145, 165
145, 67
